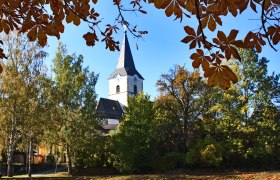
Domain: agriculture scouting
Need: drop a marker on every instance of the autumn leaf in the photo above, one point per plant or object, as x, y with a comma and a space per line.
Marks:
229, 44
32, 34
171, 7
200, 59
1, 69
42, 37
254, 40
220, 75
218, 57
90, 38
193, 38
274, 33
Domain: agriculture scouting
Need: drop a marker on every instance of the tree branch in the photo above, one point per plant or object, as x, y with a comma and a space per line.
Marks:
199, 21
263, 26
124, 21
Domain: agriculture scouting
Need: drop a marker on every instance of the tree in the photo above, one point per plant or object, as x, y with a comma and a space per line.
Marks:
20, 93
45, 18
184, 95
76, 106
244, 118
133, 141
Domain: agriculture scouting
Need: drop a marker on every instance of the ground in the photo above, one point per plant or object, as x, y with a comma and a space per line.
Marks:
236, 175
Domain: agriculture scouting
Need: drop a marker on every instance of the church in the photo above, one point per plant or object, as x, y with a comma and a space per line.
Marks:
125, 81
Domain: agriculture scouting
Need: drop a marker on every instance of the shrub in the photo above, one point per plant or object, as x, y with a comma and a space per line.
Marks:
50, 159
207, 152
172, 160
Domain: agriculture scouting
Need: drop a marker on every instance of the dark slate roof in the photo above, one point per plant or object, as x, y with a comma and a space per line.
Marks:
108, 108
125, 64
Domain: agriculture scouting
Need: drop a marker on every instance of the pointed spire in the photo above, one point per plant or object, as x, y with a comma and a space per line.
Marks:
124, 28
125, 64
125, 59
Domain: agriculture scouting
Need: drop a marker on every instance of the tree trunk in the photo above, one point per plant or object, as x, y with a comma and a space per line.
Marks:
56, 158
10, 168
69, 160
30, 159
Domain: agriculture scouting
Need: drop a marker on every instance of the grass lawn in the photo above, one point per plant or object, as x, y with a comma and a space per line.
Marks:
250, 175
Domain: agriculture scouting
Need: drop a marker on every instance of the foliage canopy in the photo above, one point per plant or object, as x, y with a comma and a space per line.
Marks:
42, 18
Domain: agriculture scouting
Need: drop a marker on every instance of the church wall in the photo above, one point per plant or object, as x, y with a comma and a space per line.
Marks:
122, 95
113, 121
135, 81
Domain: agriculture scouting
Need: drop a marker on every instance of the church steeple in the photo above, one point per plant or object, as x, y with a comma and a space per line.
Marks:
125, 80
125, 64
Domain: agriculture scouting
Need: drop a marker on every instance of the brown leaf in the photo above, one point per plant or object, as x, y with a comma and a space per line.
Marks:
189, 30
193, 44
232, 35
169, 10
42, 37
32, 34
222, 76
90, 38
211, 24
1, 69
209, 72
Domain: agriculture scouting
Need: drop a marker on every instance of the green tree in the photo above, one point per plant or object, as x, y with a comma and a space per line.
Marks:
77, 100
133, 141
244, 118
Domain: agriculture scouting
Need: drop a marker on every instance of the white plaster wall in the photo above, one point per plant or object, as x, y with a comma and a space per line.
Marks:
126, 84
132, 82
113, 121
122, 95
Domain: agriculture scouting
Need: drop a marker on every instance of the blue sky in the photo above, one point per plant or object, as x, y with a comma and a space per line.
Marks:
160, 50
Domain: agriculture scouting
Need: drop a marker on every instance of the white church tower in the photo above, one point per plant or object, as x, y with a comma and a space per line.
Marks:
125, 80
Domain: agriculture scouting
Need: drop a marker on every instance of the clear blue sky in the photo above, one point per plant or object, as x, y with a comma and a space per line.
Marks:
160, 50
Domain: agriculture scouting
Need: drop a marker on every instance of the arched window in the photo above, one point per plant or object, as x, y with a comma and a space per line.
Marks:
135, 89
118, 89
